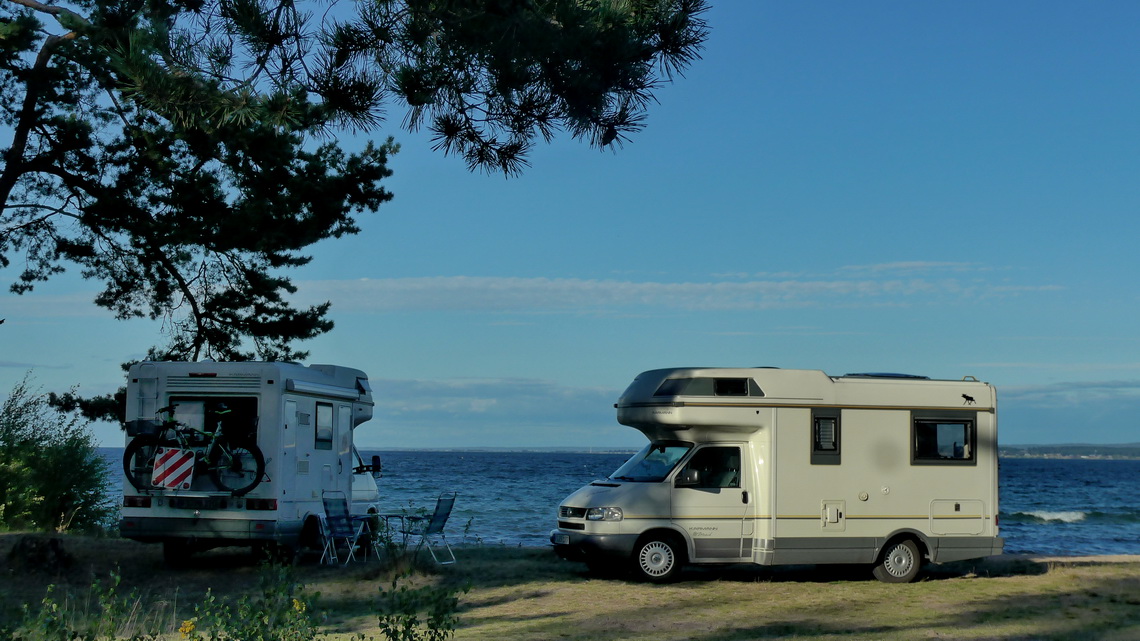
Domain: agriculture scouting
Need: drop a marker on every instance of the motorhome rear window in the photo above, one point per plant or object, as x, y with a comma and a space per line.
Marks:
237, 414
709, 386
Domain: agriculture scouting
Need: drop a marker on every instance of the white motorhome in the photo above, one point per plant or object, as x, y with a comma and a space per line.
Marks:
776, 467
292, 427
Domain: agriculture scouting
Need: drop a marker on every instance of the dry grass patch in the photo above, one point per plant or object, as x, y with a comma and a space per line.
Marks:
529, 594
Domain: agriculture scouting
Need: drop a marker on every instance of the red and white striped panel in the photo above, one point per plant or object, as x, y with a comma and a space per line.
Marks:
173, 468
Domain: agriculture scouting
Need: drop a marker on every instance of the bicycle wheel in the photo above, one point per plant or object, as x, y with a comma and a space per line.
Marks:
138, 462
236, 468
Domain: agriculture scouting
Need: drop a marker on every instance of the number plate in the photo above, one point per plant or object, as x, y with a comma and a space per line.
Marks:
561, 539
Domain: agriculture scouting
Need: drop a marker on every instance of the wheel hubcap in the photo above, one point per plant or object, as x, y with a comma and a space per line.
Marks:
899, 561
656, 559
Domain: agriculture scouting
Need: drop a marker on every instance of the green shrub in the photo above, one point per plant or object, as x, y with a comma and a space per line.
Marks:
51, 474
420, 613
281, 611
114, 617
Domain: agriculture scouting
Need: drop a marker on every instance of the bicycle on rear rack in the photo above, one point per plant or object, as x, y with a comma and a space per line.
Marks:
236, 466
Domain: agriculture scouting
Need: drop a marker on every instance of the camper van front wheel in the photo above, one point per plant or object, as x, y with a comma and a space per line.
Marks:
657, 559
900, 562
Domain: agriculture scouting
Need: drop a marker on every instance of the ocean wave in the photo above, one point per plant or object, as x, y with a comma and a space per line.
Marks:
1043, 516
1073, 516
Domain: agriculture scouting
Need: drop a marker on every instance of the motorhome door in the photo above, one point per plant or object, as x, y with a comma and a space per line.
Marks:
711, 500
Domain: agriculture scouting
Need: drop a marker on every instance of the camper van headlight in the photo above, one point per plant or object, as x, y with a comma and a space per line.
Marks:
604, 514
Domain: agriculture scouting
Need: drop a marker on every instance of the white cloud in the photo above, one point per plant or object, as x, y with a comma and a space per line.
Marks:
1072, 393
19, 308
1070, 412
499, 412
517, 294
916, 266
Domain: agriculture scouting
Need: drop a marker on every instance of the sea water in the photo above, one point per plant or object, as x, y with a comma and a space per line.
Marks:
1070, 506
1048, 506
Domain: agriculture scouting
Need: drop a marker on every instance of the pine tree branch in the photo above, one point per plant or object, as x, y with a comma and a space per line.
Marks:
14, 165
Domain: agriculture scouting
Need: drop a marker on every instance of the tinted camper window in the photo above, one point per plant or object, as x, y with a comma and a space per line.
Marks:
825, 437
324, 434
938, 440
702, 386
716, 467
238, 414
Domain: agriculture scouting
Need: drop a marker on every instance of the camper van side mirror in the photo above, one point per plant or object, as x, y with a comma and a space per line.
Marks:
688, 477
376, 466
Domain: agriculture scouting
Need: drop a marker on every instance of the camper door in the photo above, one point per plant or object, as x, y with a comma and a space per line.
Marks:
711, 501
332, 444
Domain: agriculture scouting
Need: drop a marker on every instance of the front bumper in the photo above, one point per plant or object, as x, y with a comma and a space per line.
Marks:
576, 546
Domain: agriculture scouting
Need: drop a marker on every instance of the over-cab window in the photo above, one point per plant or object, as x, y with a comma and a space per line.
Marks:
709, 386
324, 433
944, 441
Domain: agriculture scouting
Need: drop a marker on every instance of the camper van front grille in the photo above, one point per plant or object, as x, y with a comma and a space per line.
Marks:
567, 525
230, 383
565, 512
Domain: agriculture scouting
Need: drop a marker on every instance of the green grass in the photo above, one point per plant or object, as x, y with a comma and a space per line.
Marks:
528, 594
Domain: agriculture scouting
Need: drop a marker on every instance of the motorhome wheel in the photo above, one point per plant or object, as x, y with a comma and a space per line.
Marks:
657, 559
239, 470
900, 562
138, 461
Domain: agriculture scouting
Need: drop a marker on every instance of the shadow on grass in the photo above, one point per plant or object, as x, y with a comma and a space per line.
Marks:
1103, 598
489, 567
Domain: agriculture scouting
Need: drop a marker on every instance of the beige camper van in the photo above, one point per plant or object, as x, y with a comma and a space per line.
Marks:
775, 467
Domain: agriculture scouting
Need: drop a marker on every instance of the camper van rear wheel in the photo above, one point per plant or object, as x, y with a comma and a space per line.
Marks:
899, 563
657, 559
138, 462
237, 469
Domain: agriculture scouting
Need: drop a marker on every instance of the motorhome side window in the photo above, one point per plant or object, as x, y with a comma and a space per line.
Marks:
825, 437
709, 387
712, 467
939, 441
324, 434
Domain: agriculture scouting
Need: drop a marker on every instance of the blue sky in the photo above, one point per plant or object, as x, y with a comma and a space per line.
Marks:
937, 188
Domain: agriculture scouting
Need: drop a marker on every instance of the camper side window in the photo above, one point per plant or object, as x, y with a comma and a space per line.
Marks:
943, 441
825, 437
324, 434
714, 467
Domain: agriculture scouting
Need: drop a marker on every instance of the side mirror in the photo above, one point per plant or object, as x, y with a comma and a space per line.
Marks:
688, 477
376, 466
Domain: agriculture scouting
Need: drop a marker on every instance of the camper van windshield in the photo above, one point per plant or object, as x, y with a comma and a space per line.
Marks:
653, 463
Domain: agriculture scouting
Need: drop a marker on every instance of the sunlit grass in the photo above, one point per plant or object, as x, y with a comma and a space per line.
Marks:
528, 594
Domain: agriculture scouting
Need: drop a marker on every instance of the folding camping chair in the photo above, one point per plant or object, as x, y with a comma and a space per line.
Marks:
341, 530
429, 529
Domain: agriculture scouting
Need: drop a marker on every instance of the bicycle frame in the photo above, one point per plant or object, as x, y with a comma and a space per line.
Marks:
234, 467
202, 442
